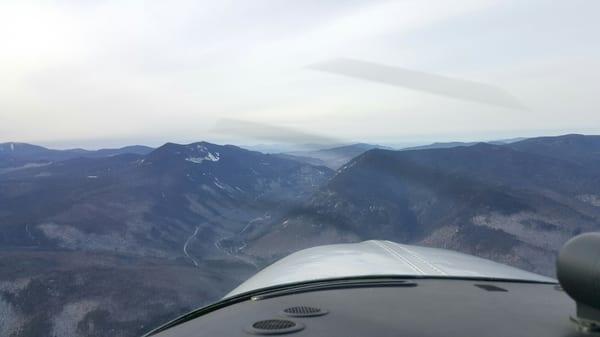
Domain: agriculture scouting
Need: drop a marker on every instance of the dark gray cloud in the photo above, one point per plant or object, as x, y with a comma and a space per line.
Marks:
417, 80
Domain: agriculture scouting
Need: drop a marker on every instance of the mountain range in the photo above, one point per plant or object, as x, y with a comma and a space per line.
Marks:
515, 203
113, 242
77, 234
17, 155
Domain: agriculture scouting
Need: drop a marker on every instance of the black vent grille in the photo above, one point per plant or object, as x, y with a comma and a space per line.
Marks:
274, 327
273, 324
490, 287
304, 311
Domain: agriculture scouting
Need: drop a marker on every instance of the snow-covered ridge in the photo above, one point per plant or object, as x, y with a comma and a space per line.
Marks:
210, 157
204, 155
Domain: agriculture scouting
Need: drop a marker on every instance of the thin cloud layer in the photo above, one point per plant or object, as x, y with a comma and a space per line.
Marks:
152, 71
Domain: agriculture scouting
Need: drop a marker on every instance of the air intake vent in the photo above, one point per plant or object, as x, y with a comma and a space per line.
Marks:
490, 287
274, 327
304, 311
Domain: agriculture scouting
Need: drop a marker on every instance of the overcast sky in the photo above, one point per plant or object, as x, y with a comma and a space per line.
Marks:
105, 73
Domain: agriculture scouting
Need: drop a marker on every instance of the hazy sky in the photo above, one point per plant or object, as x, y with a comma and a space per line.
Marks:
104, 73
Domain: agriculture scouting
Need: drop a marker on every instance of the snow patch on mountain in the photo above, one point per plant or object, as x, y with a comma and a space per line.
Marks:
209, 156
219, 185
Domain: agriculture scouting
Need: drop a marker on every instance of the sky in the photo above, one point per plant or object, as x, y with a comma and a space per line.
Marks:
100, 73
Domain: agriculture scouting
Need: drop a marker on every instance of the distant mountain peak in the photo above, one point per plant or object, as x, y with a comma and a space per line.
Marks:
195, 153
171, 145
334, 157
197, 148
17, 147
